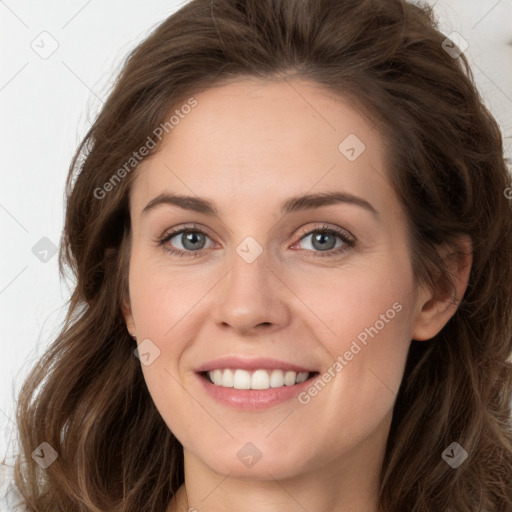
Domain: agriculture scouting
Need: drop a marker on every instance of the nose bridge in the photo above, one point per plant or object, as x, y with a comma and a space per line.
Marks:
249, 279
251, 294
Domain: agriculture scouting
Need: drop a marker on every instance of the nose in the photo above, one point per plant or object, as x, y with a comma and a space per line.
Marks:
252, 298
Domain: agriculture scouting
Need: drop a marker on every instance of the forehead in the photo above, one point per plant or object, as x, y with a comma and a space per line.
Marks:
252, 142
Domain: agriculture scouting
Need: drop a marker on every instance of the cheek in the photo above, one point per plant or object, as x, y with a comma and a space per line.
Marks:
159, 308
160, 295
357, 298
370, 316
357, 391
160, 311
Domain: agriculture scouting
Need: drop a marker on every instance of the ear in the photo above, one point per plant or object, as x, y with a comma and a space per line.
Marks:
435, 307
128, 316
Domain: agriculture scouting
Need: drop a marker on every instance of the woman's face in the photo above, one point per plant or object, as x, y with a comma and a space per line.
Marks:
321, 286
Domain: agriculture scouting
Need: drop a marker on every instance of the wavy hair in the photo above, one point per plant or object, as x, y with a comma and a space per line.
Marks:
87, 397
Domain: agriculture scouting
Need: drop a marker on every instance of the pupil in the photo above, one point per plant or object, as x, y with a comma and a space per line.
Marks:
192, 238
320, 237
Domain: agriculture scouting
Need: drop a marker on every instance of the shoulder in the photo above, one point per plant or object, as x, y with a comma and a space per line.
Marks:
10, 498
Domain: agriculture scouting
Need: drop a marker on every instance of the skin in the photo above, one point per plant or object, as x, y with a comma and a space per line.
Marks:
248, 146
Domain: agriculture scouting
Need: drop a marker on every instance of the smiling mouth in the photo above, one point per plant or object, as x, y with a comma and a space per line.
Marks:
258, 380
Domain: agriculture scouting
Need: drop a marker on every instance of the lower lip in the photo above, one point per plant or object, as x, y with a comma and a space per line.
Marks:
253, 399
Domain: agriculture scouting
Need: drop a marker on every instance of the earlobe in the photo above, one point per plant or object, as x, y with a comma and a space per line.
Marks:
436, 307
128, 317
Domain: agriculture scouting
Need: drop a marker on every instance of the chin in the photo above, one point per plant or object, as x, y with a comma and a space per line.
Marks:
269, 466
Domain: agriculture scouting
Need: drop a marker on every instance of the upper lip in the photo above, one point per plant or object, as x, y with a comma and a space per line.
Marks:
250, 364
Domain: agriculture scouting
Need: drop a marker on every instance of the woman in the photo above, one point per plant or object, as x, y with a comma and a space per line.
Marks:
298, 210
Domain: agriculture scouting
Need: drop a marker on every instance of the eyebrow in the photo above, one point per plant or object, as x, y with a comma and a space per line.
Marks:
293, 204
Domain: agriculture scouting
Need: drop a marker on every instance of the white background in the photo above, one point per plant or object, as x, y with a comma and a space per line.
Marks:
47, 104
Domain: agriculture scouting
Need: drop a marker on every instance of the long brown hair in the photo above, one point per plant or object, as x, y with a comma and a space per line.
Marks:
87, 398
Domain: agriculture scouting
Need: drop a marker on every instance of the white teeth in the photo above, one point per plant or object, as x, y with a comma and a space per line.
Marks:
217, 376
242, 380
289, 378
276, 379
227, 378
259, 379
302, 376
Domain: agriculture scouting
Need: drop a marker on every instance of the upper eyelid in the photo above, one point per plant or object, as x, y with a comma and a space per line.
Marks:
324, 227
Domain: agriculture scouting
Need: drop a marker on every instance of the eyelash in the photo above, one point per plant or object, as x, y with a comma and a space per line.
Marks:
348, 241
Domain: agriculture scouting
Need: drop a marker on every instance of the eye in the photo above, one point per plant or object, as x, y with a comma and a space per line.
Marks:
192, 240
325, 237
